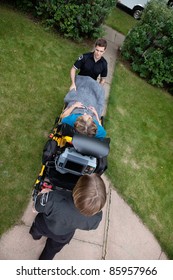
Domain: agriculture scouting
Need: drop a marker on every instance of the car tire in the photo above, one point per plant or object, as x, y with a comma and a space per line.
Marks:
170, 4
137, 12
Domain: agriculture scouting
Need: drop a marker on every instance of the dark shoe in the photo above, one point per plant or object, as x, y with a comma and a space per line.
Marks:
35, 234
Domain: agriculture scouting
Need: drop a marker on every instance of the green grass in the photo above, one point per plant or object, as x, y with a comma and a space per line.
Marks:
120, 21
35, 76
139, 121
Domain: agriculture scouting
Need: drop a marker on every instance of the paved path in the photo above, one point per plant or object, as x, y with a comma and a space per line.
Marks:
121, 234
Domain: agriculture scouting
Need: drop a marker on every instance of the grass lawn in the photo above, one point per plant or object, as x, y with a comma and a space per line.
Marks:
120, 21
35, 76
139, 120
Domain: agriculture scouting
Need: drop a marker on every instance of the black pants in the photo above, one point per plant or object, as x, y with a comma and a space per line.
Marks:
54, 243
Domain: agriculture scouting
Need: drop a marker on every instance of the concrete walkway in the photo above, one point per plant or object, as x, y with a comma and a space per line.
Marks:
120, 236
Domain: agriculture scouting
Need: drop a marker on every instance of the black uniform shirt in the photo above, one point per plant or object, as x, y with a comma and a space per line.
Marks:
88, 66
60, 214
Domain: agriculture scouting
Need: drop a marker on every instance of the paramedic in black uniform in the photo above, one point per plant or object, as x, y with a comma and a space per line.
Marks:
91, 64
61, 212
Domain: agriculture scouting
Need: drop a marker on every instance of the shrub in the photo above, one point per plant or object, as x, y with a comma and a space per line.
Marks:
149, 45
73, 18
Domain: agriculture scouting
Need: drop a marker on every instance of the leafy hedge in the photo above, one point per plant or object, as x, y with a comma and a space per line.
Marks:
149, 45
74, 19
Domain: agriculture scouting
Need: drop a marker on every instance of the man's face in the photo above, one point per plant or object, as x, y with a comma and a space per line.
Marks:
98, 52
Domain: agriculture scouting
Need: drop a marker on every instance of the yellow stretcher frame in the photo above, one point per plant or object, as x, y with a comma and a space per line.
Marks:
61, 142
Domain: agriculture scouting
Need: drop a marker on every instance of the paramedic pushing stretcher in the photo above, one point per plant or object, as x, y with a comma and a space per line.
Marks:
61, 212
91, 64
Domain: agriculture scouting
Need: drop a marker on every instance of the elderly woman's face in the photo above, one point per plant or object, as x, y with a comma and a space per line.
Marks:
86, 117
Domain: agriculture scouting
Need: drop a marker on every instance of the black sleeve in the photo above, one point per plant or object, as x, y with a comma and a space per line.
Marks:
105, 69
79, 62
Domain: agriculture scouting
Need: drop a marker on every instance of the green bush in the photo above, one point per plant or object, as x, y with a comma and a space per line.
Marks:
149, 45
74, 19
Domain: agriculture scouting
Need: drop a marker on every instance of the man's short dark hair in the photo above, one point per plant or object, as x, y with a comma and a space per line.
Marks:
101, 42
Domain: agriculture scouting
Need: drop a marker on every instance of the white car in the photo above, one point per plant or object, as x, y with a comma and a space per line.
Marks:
136, 6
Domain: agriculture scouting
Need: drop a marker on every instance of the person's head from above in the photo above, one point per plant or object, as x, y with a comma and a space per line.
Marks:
85, 125
100, 48
89, 194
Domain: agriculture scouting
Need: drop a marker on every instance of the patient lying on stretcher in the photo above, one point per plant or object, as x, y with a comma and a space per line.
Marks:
84, 107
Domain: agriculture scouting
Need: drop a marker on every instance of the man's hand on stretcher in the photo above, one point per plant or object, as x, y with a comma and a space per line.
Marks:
45, 190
